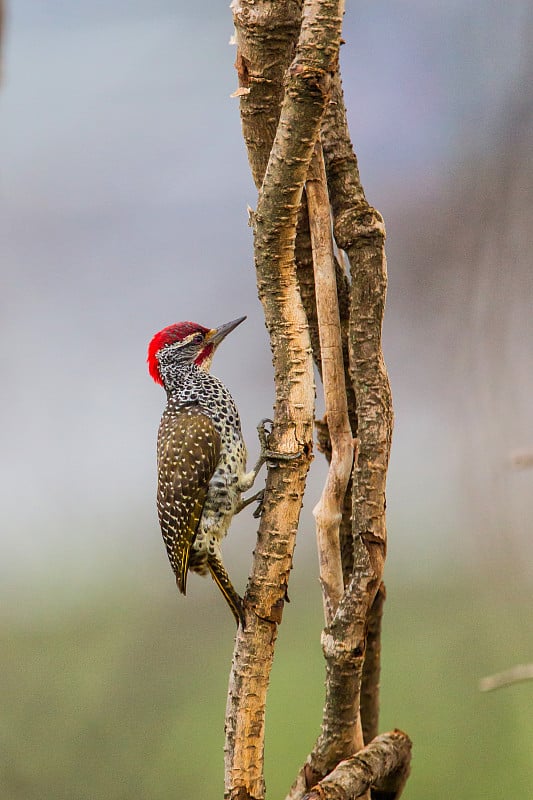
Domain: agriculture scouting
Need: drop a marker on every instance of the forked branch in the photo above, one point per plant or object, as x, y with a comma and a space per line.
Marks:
383, 765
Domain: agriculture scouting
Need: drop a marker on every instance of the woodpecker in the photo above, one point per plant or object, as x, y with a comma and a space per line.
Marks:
201, 454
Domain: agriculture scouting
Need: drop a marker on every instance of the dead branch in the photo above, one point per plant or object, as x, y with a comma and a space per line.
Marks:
383, 764
360, 232
328, 511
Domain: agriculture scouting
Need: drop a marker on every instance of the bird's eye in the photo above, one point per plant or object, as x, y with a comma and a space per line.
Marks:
198, 339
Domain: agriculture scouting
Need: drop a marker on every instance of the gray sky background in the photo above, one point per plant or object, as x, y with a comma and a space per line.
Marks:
123, 193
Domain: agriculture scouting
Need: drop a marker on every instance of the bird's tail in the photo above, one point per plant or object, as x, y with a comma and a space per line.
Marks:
182, 558
222, 580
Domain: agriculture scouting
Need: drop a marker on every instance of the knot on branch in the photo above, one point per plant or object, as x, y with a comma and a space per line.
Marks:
358, 225
315, 80
261, 17
344, 651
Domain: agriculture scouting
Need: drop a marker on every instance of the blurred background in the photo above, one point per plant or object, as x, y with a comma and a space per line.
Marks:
123, 188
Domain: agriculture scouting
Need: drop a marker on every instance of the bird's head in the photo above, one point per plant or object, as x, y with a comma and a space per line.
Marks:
185, 343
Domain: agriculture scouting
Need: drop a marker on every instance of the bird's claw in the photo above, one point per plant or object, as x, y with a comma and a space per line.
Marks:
263, 433
255, 498
267, 455
258, 510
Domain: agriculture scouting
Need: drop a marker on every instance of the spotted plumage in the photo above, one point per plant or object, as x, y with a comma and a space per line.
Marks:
188, 452
200, 452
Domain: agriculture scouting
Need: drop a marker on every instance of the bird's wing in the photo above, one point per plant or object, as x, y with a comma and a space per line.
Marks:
188, 453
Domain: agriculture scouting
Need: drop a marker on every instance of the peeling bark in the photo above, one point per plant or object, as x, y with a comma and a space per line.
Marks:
266, 34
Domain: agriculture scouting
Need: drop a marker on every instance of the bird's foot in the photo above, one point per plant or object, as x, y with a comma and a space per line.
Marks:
267, 455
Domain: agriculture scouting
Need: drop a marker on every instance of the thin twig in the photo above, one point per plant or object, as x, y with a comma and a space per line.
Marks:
522, 672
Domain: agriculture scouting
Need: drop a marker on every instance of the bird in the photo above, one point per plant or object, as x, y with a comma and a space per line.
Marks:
201, 454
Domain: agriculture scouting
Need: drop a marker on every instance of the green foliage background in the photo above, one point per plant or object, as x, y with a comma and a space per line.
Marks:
125, 698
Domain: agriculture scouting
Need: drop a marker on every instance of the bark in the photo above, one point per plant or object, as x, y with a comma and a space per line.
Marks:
383, 764
266, 35
303, 256
371, 669
304, 269
274, 222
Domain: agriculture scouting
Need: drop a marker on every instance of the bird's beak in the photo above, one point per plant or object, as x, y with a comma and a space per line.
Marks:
216, 335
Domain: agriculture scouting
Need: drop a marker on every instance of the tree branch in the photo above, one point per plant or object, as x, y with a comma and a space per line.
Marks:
372, 668
328, 511
383, 764
343, 645
266, 34
360, 232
